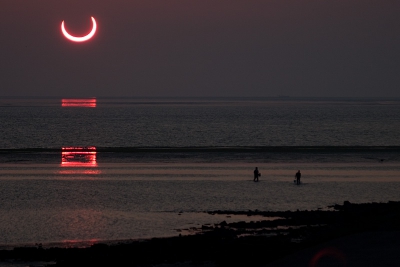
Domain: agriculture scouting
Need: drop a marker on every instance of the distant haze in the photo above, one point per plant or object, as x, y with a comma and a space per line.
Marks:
184, 48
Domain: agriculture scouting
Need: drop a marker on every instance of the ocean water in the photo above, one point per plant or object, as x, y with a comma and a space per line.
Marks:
141, 168
200, 123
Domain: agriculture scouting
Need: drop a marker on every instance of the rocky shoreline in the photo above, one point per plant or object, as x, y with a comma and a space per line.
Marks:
255, 243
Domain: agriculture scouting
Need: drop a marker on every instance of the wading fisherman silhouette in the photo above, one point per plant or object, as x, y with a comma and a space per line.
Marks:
256, 175
298, 176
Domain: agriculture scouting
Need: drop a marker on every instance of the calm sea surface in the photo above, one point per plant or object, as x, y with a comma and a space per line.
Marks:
146, 123
139, 168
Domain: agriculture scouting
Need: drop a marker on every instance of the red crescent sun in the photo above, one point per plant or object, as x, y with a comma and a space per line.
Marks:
82, 38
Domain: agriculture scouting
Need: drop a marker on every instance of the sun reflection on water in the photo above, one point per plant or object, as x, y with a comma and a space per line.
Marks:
79, 160
86, 103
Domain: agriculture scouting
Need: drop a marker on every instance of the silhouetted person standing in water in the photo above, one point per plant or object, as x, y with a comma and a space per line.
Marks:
256, 174
298, 175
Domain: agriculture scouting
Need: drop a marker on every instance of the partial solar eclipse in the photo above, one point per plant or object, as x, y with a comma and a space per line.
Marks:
82, 38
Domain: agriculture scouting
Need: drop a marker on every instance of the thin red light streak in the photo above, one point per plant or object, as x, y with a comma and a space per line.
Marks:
79, 171
78, 148
87, 103
79, 164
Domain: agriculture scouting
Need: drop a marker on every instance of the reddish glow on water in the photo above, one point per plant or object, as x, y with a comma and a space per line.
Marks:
79, 171
77, 243
86, 103
78, 157
332, 254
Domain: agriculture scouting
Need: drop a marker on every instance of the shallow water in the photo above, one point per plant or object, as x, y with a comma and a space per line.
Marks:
44, 203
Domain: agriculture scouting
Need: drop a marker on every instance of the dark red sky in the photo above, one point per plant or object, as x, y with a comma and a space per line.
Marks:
201, 48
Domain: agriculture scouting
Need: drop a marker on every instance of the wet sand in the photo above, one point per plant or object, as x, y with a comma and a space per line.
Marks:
344, 235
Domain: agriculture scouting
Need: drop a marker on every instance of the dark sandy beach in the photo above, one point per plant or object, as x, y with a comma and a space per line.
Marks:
344, 235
